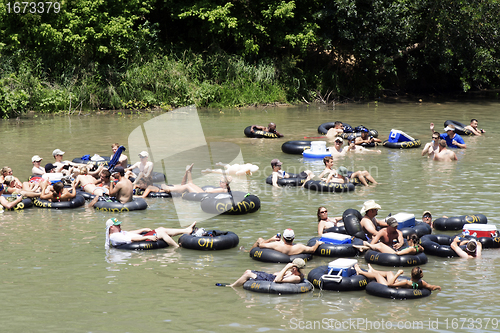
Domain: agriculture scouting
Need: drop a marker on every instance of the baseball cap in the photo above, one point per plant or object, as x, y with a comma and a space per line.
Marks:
392, 222
342, 171
36, 158
339, 139
49, 166
288, 234
120, 170
276, 162
299, 262
57, 152
427, 212
112, 221
448, 128
143, 154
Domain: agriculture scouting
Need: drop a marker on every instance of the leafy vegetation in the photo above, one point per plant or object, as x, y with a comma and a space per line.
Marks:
140, 54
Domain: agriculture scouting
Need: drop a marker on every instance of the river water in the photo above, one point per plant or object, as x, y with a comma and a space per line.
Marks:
56, 275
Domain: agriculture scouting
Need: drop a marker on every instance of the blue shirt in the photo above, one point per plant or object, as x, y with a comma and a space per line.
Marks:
449, 140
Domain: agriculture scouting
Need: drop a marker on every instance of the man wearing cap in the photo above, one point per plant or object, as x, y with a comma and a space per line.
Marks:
366, 138
390, 236
65, 167
271, 128
369, 222
116, 236
291, 273
145, 167
337, 150
444, 154
280, 174
453, 140
37, 168
286, 246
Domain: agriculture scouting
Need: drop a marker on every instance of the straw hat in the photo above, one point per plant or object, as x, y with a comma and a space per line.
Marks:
370, 204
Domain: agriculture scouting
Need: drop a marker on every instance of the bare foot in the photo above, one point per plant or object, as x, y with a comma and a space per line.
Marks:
370, 268
361, 248
358, 270
189, 167
220, 163
191, 227
93, 202
399, 272
206, 171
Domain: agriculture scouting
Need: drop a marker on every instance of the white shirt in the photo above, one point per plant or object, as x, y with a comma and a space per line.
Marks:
119, 238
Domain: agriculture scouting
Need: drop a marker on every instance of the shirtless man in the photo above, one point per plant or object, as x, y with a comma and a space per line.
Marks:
123, 160
271, 128
353, 148
328, 161
64, 167
444, 154
390, 236
121, 192
337, 150
432, 147
369, 223
336, 130
473, 127
88, 183
145, 167
286, 246
366, 138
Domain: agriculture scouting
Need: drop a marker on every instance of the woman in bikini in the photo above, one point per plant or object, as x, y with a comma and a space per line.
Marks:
413, 246
88, 183
325, 222
57, 192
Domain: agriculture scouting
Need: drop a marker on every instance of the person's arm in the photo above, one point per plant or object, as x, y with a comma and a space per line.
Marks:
401, 241
432, 128
476, 132
382, 223
37, 171
148, 169
97, 172
455, 247
459, 145
289, 279
321, 227
140, 231
431, 287
68, 195
425, 151
324, 172
9, 205
275, 179
479, 249
136, 165
270, 243
254, 127
308, 249
114, 189
377, 235
408, 250
359, 140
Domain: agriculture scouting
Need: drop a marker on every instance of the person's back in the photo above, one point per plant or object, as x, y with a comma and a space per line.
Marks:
125, 190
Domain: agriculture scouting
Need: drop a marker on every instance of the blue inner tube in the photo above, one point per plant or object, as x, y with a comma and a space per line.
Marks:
348, 283
222, 203
321, 186
420, 228
458, 222
77, 201
25, 203
259, 134
143, 245
459, 127
333, 250
221, 241
380, 290
294, 180
277, 288
296, 147
402, 145
438, 245
308, 154
269, 255
391, 259
117, 207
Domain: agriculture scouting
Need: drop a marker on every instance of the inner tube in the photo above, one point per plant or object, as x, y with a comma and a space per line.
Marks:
156, 177
222, 203
294, 180
420, 228
25, 203
402, 145
323, 128
220, 240
338, 230
77, 201
438, 245
140, 191
143, 245
259, 134
350, 283
321, 186
457, 222
352, 218
117, 207
269, 255
105, 161
486, 242
277, 288
296, 147
459, 127
380, 290
333, 250
391, 259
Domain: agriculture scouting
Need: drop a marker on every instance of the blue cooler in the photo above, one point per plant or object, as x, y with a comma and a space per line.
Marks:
405, 220
399, 136
335, 238
340, 268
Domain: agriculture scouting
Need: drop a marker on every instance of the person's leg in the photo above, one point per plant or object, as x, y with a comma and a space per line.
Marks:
161, 233
219, 171
371, 274
391, 278
194, 188
175, 232
360, 177
369, 177
244, 278
381, 247
93, 202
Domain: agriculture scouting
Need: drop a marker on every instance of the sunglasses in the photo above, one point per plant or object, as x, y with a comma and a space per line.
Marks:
323, 212
435, 137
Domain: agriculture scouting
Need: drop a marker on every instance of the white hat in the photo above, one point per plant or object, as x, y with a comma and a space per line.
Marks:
339, 139
370, 204
36, 158
143, 154
109, 223
57, 152
288, 234
448, 128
